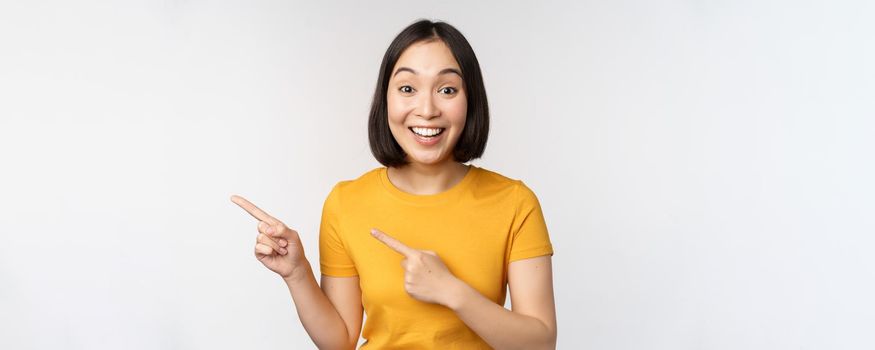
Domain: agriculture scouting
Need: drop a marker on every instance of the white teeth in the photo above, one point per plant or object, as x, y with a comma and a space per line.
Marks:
426, 131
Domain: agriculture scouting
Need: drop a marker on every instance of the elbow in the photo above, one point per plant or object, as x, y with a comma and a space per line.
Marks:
352, 343
550, 338
551, 342
348, 346
544, 339
548, 344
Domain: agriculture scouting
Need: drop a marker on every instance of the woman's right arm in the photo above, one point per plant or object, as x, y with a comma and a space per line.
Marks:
332, 315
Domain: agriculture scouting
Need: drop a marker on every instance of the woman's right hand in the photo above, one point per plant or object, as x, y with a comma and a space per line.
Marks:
276, 246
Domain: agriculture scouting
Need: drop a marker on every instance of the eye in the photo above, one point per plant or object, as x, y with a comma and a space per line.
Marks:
406, 89
449, 90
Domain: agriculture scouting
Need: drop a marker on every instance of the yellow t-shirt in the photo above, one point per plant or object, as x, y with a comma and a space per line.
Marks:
477, 228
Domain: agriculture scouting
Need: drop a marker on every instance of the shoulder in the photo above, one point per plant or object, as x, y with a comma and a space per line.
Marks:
357, 186
491, 181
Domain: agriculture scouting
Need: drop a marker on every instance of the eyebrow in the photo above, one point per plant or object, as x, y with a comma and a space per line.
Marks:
443, 71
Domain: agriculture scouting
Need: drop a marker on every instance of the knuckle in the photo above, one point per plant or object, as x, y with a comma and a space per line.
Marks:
280, 229
263, 239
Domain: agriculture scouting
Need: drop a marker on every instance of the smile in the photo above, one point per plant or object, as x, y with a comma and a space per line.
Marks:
427, 132
427, 136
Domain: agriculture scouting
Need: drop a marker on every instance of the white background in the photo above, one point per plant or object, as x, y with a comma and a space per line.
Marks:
705, 167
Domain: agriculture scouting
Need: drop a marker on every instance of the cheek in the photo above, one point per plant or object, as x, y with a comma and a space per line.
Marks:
396, 109
456, 111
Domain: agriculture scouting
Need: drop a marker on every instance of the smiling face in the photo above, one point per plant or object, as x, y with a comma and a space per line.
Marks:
426, 102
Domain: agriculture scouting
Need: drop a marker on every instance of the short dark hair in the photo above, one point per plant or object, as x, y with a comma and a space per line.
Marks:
472, 141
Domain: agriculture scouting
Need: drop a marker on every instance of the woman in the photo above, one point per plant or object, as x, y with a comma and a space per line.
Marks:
427, 244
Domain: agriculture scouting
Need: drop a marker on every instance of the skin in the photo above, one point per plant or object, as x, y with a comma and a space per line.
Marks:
421, 93
331, 315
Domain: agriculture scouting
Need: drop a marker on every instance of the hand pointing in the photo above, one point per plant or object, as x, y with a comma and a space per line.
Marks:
426, 277
277, 246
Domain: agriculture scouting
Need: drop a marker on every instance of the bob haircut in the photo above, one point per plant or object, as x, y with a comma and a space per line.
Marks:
472, 141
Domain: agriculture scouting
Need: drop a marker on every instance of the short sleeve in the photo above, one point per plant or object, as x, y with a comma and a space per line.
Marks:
333, 257
529, 230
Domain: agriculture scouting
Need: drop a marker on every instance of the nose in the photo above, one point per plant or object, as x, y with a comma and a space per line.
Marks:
426, 108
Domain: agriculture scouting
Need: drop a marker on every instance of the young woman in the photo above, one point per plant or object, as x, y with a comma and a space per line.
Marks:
425, 245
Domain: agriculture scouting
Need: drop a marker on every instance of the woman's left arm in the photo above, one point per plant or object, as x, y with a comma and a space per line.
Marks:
531, 324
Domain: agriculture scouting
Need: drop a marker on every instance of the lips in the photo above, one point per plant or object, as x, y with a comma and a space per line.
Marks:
427, 140
426, 131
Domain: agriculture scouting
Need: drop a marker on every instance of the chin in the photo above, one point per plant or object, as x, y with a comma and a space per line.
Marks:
426, 161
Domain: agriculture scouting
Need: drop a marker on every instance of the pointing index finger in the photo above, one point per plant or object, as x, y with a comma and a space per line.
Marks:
252, 209
393, 243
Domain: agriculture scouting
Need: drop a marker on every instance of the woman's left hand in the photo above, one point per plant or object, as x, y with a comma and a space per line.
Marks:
426, 277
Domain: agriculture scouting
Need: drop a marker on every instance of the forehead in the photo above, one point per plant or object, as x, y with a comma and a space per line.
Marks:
427, 58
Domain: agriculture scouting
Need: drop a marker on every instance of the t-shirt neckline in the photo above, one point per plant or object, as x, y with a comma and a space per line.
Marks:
429, 199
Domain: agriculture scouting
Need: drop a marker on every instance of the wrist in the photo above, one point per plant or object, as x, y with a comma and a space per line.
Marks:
459, 292
300, 273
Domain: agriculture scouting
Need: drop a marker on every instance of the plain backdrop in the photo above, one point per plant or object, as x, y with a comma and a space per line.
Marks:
705, 167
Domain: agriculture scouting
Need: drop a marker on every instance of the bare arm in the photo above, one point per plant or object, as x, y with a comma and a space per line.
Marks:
332, 315
531, 324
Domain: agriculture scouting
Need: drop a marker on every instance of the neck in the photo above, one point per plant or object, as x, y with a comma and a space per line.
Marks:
424, 179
